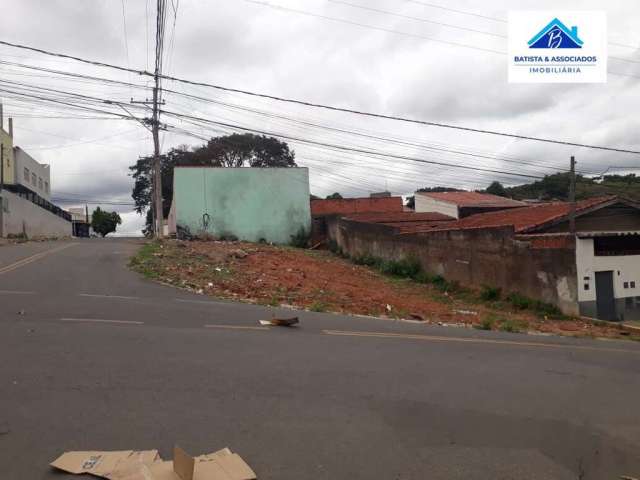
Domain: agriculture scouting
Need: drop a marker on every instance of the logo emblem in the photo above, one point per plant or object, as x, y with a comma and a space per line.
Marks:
556, 35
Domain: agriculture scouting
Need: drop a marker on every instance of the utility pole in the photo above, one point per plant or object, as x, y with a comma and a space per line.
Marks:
154, 121
572, 196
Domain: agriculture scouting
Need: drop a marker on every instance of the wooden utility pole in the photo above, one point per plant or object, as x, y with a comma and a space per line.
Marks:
157, 175
572, 196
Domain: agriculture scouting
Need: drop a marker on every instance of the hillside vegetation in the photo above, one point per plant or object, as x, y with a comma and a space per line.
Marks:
556, 187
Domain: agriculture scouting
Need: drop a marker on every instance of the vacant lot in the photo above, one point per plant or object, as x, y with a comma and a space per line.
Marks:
321, 281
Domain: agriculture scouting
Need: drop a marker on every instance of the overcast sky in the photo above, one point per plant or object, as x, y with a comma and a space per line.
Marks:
415, 72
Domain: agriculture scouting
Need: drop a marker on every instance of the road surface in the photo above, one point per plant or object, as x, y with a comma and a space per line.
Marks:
94, 357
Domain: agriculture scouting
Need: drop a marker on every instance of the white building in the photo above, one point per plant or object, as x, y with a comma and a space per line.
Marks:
31, 174
462, 204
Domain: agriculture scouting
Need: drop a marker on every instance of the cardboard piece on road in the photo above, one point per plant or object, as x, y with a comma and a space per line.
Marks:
280, 322
105, 464
147, 465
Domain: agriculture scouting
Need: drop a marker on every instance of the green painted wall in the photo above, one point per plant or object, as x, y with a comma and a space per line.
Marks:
250, 203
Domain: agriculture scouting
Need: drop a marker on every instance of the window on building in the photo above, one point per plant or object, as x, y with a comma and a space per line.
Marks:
34, 179
40, 185
46, 187
615, 246
26, 174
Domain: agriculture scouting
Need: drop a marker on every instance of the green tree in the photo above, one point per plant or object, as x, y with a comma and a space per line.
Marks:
236, 150
334, 196
496, 188
104, 222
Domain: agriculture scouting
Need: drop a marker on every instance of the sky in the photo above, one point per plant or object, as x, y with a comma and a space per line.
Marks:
430, 60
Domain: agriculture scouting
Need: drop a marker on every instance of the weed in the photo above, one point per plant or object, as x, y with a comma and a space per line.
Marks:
490, 294
511, 326
487, 323
367, 259
300, 239
520, 302
318, 306
144, 261
407, 267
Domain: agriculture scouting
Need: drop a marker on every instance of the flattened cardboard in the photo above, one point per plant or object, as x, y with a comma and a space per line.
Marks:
103, 464
147, 465
183, 464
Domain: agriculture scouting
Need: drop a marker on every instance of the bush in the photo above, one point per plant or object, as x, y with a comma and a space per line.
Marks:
510, 326
487, 323
300, 239
406, 267
520, 302
366, 259
489, 294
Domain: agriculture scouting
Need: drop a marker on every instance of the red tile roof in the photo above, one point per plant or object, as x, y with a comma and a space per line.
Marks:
399, 217
526, 218
347, 206
473, 199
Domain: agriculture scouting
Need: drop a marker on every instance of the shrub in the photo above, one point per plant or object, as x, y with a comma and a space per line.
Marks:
318, 306
487, 323
510, 326
489, 294
300, 239
520, 302
406, 267
367, 259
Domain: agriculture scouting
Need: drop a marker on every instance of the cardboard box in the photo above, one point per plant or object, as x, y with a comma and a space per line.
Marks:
147, 465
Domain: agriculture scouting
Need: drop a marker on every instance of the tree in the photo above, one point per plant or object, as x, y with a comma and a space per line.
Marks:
334, 196
236, 150
496, 188
104, 222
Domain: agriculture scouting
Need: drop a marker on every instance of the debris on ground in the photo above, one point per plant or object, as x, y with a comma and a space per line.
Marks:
281, 322
321, 281
147, 465
238, 253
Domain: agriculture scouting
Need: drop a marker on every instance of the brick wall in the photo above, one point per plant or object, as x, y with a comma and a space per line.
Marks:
346, 206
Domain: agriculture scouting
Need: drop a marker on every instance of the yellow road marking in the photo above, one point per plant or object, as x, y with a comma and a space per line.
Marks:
100, 320
236, 327
435, 338
33, 258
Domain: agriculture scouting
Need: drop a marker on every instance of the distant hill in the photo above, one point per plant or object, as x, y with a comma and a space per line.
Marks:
556, 187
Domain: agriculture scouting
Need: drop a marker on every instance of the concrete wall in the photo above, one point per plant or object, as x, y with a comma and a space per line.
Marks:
424, 203
6, 144
38, 177
21, 215
250, 203
473, 257
626, 268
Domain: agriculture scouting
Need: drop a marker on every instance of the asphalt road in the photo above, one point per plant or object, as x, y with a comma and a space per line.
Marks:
93, 357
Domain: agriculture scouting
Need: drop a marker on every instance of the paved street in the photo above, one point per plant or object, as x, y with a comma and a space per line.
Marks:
94, 357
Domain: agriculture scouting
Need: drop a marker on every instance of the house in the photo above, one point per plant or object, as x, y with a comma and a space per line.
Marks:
81, 221
556, 35
30, 174
25, 206
252, 204
325, 213
462, 204
529, 250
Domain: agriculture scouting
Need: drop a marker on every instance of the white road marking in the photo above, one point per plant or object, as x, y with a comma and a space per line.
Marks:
99, 320
33, 258
15, 292
236, 327
97, 295
203, 302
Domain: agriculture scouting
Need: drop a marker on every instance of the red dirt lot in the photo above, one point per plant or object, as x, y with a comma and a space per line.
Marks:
322, 281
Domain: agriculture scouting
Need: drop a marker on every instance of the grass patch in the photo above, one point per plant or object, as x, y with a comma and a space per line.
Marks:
487, 323
318, 306
520, 302
145, 261
490, 294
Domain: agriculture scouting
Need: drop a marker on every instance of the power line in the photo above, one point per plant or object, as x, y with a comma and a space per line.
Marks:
351, 149
409, 17
463, 12
334, 108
